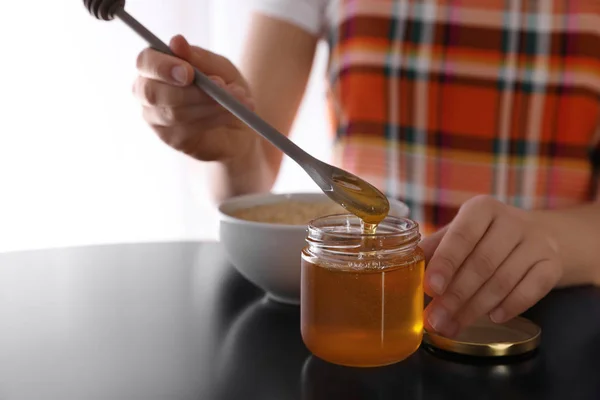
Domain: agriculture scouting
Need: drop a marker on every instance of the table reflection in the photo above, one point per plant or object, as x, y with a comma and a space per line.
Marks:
448, 376
426, 376
262, 354
322, 380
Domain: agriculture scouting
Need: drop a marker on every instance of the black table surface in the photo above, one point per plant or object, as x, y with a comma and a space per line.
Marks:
174, 321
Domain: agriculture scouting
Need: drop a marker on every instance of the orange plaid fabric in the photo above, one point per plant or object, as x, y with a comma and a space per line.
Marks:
438, 101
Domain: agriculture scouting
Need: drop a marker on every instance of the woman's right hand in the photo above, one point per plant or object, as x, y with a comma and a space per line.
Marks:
181, 114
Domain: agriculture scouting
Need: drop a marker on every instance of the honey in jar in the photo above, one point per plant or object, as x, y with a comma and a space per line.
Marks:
362, 293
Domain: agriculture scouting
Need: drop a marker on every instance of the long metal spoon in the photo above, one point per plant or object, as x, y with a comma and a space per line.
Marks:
354, 194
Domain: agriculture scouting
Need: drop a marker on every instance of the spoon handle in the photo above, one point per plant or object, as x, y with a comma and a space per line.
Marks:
222, 97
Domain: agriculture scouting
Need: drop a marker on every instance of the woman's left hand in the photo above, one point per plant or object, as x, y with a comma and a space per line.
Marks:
492, 259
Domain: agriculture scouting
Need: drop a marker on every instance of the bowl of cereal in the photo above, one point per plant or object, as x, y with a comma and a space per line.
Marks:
263, 236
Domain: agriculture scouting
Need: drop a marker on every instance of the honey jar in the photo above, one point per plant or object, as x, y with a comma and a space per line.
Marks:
362, 294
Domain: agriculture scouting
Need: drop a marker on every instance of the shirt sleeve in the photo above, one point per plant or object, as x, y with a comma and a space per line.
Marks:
306, 14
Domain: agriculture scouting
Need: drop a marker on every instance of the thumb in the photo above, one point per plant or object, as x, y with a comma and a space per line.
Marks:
209, 63
180, 46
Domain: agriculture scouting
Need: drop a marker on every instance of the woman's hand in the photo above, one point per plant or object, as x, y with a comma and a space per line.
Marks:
492, 259
181, 114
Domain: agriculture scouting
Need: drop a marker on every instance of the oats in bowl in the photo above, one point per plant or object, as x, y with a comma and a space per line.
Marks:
288, 212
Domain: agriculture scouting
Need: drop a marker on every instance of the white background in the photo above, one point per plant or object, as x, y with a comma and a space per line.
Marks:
77, 163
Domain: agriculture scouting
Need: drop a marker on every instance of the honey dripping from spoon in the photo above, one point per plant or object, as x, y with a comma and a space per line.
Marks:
368, 204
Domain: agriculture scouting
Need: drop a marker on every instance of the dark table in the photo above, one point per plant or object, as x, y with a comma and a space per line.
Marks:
174, 321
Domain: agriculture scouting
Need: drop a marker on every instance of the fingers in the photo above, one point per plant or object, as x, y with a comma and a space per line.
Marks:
470, 224
167, 112
165, 68
177, 70
501, 284
213, 64
202, 145
172, 116
206, 61
537, 283
490, 260
154, 93
498, 243
163, 84
182, 115
164, 106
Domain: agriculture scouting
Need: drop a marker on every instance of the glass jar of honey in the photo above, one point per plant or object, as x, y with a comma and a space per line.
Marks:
362, 294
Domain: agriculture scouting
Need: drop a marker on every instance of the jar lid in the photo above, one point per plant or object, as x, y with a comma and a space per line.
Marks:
487, 339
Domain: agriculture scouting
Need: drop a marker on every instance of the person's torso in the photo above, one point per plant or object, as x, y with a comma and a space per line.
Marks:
437, 101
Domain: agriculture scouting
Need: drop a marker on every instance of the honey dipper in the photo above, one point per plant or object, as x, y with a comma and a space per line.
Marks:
351, 192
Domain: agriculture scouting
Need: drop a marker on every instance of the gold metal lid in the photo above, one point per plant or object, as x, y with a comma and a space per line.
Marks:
487, 339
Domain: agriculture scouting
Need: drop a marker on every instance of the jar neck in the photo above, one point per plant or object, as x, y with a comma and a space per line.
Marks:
341, 235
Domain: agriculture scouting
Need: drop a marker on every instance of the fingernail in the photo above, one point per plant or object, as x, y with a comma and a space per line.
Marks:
179, 73
438, 318
497, 316
437, 283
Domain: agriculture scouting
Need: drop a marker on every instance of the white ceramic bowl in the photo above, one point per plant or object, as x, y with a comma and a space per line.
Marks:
267, 254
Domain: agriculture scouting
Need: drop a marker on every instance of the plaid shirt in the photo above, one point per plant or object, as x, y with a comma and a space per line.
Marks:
437, 101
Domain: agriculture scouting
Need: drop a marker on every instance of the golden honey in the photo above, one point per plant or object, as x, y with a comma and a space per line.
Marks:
362, 294
361, 199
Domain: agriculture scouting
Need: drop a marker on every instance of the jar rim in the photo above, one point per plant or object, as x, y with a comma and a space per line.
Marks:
390, 227
340, 235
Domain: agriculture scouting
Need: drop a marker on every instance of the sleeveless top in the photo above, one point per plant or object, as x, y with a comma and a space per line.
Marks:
438, 101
